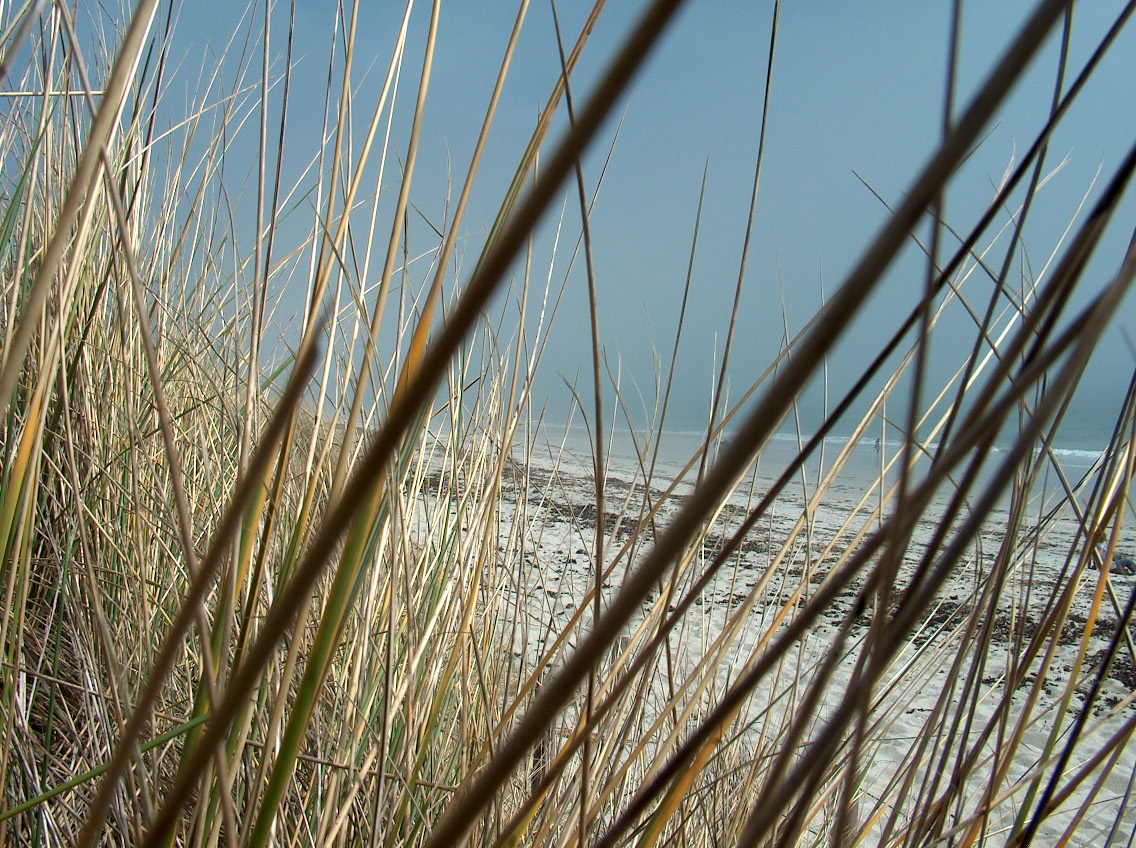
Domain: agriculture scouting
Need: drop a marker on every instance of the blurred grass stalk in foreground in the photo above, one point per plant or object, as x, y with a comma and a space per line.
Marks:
253, 597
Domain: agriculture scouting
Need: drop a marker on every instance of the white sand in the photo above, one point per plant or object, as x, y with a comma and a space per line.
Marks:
782, 560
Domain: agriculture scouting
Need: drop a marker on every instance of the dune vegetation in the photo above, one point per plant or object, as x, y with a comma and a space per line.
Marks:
341, 583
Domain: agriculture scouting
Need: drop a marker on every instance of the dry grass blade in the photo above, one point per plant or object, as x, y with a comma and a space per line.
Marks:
755, 431
405, 405
222, 537
81, 186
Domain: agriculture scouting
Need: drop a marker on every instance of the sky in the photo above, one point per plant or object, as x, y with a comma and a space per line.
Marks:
856, 100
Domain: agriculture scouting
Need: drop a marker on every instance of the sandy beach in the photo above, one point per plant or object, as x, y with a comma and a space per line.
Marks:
993, 724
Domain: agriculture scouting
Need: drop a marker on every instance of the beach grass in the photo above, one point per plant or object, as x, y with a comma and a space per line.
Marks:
343, 583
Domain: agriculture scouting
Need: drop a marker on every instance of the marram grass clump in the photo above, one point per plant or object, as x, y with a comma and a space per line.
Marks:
339, 580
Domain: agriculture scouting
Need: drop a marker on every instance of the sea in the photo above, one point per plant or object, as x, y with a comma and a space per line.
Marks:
1078, 454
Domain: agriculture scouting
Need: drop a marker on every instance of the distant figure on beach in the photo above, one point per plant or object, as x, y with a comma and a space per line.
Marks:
877, 444
1120, 564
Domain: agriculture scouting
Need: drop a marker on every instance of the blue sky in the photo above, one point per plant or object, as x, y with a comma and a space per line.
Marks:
857, 89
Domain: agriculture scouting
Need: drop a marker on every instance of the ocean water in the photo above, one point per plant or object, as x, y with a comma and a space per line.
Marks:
1078, 450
